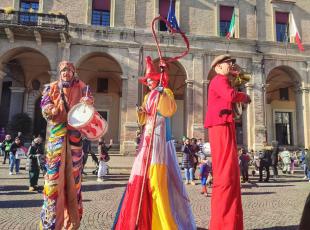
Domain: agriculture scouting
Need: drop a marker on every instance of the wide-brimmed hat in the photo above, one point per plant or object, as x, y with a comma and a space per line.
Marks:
151, 73
222, 58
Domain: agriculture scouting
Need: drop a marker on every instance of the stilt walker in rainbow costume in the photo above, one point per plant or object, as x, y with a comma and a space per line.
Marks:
155, 197
62, 207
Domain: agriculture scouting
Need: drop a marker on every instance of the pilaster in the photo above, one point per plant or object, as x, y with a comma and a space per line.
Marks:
189, 107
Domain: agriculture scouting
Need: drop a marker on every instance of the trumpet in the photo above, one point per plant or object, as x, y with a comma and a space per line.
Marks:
238, 79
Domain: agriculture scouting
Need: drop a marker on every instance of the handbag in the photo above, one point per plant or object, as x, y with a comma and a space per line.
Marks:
20, 153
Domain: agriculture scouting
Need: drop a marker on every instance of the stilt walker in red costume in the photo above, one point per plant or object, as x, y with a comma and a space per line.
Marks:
226, 207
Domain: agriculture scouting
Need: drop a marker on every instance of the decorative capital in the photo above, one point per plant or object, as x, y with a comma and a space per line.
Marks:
17, 89
189, 82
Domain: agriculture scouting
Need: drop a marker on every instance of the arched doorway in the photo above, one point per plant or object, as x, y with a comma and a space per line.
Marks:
177, 83
281, 107
103, 73
39, 123
21, 67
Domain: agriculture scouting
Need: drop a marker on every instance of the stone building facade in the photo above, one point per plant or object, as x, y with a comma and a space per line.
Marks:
108, 41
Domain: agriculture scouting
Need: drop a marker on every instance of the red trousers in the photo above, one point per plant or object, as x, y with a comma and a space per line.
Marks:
226, 207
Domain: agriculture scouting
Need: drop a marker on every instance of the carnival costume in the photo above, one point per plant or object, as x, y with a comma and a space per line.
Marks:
61, 208
164, 203
226, 207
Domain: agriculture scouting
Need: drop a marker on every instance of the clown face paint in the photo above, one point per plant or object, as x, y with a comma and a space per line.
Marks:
151, 84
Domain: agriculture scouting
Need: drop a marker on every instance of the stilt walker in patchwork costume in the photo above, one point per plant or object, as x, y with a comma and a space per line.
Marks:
155, 197
226, 207
62, 207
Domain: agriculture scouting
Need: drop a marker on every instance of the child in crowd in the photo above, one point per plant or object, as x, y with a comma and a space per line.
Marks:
204, 171
103, 158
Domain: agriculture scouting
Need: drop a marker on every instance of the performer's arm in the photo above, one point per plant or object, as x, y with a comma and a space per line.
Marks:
87, 95
167, 105
47, 105
222, 88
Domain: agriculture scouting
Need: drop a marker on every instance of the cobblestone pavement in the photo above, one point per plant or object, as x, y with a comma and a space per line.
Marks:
274, 205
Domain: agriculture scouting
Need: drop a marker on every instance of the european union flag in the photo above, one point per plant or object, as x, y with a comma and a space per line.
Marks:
171, 16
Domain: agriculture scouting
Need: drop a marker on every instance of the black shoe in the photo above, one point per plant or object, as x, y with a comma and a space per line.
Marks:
260, 180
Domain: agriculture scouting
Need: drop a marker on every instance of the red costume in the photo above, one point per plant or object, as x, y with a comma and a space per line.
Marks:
226, 207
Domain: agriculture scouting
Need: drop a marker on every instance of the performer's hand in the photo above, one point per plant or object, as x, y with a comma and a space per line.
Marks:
248, 100
160, 89
54, 111
140, 109
111, 141
87, 100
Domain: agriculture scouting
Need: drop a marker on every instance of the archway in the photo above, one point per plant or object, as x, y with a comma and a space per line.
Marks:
177, 83
282, 101
39, 123
21, 66
103, 73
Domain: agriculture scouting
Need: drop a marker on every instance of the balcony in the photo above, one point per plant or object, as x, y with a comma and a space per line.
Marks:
25, 24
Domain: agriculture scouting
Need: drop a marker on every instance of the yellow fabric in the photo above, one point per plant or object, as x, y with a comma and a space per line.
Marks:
167, 106
161, 212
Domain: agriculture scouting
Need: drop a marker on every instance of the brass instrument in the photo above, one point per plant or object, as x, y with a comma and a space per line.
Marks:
238, 79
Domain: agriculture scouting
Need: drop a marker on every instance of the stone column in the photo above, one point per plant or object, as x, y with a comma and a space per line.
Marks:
17, 99
129, 124
198, 97
205, 85
2, 75
258, 100
301, 127
189, 108
64, 50
248, 119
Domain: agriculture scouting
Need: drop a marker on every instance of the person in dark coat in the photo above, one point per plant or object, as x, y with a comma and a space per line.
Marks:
86, 151
265, 162
34, 154
274, 160
188, 163
14, 161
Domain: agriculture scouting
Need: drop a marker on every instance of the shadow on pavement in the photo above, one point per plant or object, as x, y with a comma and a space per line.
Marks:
98, 187
14, 187
21, 203
292, 227
256, 193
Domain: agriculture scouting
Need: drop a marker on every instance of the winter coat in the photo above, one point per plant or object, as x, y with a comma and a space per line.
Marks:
34, 154
265, 158
6, 145
274, 156
188, 157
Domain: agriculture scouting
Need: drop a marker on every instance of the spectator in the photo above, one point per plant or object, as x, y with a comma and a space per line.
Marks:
265, 162
244, 160
204, 171
195, 150
6, 146
304, 165
274, 159
307, 163
286, 160
86, 150
14, 159
188, 163
34, 155
103, 158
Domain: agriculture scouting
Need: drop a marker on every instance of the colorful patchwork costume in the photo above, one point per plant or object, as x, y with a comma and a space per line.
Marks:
61, 208
165, 204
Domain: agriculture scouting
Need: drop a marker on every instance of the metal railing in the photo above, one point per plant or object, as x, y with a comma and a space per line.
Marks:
32, 19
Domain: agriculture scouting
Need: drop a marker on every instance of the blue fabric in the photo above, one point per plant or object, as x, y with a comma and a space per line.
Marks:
168, 129
171, 16
203, 180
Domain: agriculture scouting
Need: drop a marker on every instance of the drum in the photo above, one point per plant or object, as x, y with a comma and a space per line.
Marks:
88, 121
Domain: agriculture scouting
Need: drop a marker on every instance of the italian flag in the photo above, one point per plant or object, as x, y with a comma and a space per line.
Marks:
294, 34
232, 26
